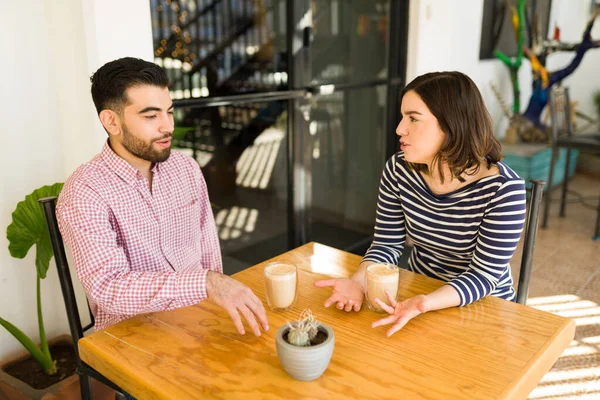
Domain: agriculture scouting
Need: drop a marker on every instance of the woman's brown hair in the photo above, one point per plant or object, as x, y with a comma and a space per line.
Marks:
453, 98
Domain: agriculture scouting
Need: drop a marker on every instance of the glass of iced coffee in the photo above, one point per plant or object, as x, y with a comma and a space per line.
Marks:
281, 285
379, 278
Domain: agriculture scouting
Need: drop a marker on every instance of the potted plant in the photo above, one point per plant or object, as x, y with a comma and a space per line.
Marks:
28, 228
305, 347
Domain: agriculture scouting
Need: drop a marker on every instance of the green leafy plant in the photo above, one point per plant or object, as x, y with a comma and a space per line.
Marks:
180, 131
28, 228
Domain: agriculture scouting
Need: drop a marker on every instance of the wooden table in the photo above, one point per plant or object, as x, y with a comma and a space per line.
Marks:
490, 349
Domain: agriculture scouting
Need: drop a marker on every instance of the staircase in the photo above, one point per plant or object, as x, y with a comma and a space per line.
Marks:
236, 47
218, 48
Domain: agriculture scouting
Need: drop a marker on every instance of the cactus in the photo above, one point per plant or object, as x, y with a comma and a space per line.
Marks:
304, 330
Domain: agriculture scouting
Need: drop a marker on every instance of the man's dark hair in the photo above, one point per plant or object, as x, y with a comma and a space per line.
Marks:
111, 81
453, 98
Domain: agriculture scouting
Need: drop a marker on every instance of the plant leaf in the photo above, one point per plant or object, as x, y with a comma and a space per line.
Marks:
28, 227
47, 364
180, 131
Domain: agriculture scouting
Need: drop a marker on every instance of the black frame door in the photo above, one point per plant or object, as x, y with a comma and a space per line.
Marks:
300, 46
300, 91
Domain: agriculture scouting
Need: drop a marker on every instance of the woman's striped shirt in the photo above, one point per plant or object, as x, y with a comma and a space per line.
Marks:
466, 237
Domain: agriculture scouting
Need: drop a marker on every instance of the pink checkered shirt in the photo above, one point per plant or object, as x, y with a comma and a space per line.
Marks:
137, 251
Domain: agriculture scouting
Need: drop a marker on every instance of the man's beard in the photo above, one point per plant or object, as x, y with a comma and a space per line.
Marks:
143, 150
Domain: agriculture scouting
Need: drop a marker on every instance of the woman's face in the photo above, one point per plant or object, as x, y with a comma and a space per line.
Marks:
421, 137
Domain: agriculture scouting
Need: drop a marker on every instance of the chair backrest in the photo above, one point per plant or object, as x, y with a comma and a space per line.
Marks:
531, 225
66, 284
64, 276
561, 115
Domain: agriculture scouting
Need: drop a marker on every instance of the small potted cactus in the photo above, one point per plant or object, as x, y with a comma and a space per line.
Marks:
305, 347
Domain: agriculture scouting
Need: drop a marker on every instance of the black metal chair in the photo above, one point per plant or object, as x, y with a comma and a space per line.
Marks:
563, 137
84, 371
530, 233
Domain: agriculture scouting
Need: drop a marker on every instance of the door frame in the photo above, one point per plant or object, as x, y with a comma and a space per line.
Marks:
300, 92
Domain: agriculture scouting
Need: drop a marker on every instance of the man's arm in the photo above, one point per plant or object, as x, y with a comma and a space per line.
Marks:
497, 240
104, 269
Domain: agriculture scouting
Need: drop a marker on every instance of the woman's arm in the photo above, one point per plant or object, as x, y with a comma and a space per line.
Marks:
404, 311
444, 297
359, 275
498, 236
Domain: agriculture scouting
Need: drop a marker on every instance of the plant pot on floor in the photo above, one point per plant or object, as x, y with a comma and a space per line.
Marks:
21, 377
305, 363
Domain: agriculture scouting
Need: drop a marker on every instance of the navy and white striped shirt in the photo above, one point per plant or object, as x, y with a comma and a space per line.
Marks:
466, 237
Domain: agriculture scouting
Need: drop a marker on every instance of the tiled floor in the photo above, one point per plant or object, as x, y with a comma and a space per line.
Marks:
566, 280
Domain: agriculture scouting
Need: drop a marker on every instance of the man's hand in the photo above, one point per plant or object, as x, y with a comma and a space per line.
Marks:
236, 298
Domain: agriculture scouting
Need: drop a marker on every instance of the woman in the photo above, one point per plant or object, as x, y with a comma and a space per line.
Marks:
446, 189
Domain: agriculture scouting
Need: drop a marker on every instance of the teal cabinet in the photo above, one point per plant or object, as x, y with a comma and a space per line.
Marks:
532, 161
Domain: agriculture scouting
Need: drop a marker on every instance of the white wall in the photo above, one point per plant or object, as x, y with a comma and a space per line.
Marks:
49, 123
115, 29
31, 156
445, 35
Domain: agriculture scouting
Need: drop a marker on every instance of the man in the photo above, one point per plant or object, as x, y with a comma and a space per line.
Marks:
137, 217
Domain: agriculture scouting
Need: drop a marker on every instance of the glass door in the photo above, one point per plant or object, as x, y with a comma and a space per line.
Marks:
285, 104
351, 62
228, 68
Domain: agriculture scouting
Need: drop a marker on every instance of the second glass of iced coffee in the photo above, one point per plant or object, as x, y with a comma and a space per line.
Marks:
379, 278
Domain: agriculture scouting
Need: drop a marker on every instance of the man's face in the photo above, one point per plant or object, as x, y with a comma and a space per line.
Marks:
148, 123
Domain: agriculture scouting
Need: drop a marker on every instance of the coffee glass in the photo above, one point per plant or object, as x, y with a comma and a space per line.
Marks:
379, 278
281, 285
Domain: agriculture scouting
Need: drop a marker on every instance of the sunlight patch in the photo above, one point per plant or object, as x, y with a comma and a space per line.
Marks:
235, 221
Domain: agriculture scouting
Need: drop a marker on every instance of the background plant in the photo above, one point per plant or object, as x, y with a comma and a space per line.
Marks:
28, 228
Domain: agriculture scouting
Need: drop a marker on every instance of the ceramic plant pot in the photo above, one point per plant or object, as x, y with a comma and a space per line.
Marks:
305, 363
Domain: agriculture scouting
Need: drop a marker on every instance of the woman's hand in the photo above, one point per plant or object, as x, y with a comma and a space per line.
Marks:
346, 293
400, 313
